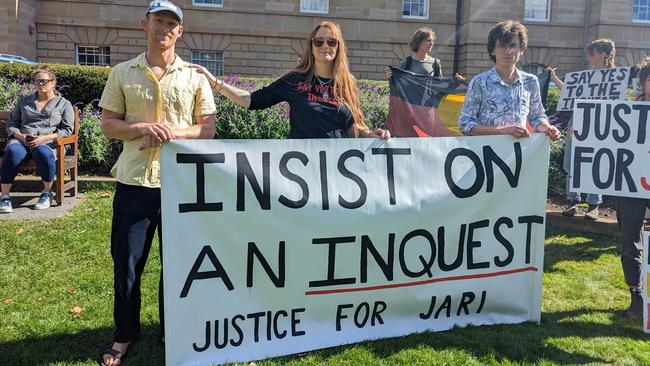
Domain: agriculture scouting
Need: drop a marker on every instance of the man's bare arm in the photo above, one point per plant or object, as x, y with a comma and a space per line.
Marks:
203, 129
114, 126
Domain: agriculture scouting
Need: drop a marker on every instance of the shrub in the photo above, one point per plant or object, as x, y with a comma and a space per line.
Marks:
235, 122
552, 97
78, 84
11, 92
373, 96
97, 154
556, 174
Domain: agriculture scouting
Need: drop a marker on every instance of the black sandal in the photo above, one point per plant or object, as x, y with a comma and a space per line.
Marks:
111, 352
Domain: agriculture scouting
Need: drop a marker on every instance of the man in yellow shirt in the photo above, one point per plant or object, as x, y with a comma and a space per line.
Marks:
148, 100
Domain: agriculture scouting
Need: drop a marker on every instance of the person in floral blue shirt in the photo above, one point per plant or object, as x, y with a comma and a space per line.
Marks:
502, 100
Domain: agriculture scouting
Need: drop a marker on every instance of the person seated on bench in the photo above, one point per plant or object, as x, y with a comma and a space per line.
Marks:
33, 125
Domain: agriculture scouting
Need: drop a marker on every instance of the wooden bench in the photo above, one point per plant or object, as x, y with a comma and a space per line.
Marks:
64, 161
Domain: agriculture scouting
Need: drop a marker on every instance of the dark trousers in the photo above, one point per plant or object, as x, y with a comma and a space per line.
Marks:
136, 215
14, 155
630, 213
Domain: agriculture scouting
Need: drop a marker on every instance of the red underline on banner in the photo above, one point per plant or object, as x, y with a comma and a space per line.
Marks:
422, 282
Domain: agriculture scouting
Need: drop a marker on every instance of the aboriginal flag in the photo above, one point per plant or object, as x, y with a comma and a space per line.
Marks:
425, 106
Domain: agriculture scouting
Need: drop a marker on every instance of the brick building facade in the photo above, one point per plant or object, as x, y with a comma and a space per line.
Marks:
257, 37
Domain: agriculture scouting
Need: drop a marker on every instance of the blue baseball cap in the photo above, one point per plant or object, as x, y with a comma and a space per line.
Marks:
162, 5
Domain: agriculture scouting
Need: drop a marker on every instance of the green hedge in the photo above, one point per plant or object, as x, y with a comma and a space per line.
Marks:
78, 84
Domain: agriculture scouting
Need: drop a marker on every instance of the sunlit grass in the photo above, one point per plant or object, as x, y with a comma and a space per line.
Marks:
49, 267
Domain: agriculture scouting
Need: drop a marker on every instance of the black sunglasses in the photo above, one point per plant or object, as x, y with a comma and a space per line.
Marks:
318, 42
42, 82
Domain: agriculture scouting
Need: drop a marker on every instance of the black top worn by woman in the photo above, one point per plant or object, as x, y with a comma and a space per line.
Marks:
313, 111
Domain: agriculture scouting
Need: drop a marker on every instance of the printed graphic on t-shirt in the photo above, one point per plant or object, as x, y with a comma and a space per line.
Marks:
325, 93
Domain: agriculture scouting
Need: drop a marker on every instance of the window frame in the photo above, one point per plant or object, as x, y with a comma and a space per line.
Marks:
641, 21
216, 52
204, 5
426, 7
544, 20
309, 11
98, 55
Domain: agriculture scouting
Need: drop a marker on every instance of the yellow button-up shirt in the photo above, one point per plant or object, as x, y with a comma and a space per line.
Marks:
133, 90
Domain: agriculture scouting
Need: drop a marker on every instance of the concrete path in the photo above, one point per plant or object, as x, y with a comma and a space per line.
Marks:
604, 225
23, 207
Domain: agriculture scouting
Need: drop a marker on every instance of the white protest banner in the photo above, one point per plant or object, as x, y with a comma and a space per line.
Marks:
609, 150
593, 84
274, 247
646, 285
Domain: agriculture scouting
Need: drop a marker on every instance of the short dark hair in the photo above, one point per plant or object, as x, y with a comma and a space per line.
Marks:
504, 32
643, 74
419, 36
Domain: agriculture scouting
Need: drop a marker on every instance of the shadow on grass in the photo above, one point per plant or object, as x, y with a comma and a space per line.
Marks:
83, 346
520, 343
593, 248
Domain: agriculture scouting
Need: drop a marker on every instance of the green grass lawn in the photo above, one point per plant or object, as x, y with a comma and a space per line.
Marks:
47, 268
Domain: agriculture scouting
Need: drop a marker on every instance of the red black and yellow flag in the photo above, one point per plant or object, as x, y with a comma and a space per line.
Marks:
423, 106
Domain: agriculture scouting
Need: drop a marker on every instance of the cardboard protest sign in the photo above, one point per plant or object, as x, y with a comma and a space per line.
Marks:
609, 151
593, 84
646, 277
274, 247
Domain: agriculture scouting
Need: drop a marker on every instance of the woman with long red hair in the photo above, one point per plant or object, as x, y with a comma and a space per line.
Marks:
321, 91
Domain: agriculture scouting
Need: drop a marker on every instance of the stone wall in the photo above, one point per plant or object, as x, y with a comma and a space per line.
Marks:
377, 35
260, 37
16, 18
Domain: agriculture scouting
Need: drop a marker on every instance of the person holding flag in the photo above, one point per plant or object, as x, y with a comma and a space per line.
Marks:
420, 61
417, 91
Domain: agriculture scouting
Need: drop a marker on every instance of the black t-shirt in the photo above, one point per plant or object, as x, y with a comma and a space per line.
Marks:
313, 111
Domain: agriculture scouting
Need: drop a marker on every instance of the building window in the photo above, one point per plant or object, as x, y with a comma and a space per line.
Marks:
93, 55
314, 6
537, 10
210, 3
418, 9
211, 60
641, 11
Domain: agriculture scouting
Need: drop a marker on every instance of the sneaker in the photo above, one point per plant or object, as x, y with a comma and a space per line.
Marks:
571, 211
44, 201
635, 311
5, 205
592, 213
